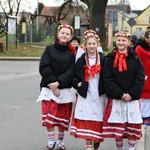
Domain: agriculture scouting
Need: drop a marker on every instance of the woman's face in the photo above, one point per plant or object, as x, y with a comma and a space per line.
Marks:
64, 35
75, 43
147, 40
91, 45
122, 43
132, 44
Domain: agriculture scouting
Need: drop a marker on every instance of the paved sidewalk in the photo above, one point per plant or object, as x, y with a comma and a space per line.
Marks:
147, 138
141, 144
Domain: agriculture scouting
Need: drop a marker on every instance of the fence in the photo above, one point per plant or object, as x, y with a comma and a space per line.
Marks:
44, 33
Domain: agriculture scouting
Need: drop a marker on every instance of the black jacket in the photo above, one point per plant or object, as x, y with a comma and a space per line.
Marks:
79, 76
131, 81
57, 64
143, 44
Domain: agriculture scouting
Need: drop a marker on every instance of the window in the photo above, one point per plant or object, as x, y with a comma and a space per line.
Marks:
138, 29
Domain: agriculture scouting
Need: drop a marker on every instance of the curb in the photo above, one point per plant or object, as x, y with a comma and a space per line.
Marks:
20, 58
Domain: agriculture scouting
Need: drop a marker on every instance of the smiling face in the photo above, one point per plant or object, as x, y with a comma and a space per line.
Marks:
91, 45
147, 37
148, 41
64, 35
75, 43
122, 43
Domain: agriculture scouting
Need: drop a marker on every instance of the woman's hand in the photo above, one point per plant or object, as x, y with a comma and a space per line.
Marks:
56, 92
53, 86
126, 97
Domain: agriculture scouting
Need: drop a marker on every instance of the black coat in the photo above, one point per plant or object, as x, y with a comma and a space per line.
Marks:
79, 76
131, 81
57, 64
142, 42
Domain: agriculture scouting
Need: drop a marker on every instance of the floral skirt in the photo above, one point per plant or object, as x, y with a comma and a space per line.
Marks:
86, 129
119, 130
54, 114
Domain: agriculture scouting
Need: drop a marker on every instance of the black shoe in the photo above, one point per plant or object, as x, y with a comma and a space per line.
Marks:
96, 145
50, 148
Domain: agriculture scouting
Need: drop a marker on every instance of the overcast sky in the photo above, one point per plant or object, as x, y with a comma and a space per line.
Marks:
135, 4
139, 4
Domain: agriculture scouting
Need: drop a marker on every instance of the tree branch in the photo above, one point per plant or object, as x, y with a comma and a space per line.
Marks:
18, 6
61, 10
3, 8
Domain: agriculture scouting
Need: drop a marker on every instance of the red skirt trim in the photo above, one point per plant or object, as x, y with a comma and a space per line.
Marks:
54, 114
86, 129
118, 130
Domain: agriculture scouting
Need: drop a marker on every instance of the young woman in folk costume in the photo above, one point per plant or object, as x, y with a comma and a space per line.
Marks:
143, 51
123, 82
57, 71
88, 115
81, 49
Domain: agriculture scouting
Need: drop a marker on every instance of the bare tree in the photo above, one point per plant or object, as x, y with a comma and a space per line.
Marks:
97, 10
67, 5
59, 16
10, 7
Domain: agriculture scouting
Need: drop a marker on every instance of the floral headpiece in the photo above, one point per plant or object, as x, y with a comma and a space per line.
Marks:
122, 34
66, 26
96, 36
89, 31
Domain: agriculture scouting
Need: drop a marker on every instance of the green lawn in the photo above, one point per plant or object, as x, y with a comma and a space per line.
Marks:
23, 50
28, 49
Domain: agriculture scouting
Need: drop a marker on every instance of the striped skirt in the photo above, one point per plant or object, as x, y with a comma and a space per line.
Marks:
54, 114
119, 130
91, 130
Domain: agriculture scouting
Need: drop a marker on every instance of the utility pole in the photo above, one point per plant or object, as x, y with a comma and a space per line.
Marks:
123, 5
37, 18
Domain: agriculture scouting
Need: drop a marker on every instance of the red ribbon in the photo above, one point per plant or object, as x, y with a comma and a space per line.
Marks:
91, 71
72, 48
120, 61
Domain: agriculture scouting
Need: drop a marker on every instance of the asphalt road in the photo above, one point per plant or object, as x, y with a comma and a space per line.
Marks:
20, 115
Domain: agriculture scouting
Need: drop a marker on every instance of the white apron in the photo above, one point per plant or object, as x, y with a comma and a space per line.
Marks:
66, 95
125, 112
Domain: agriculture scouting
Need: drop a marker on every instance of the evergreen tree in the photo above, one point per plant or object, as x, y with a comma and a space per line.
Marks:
2, 27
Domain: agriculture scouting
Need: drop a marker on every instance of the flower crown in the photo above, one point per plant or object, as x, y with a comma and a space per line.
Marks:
66, 26
96, 36
121, 34
89, 31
